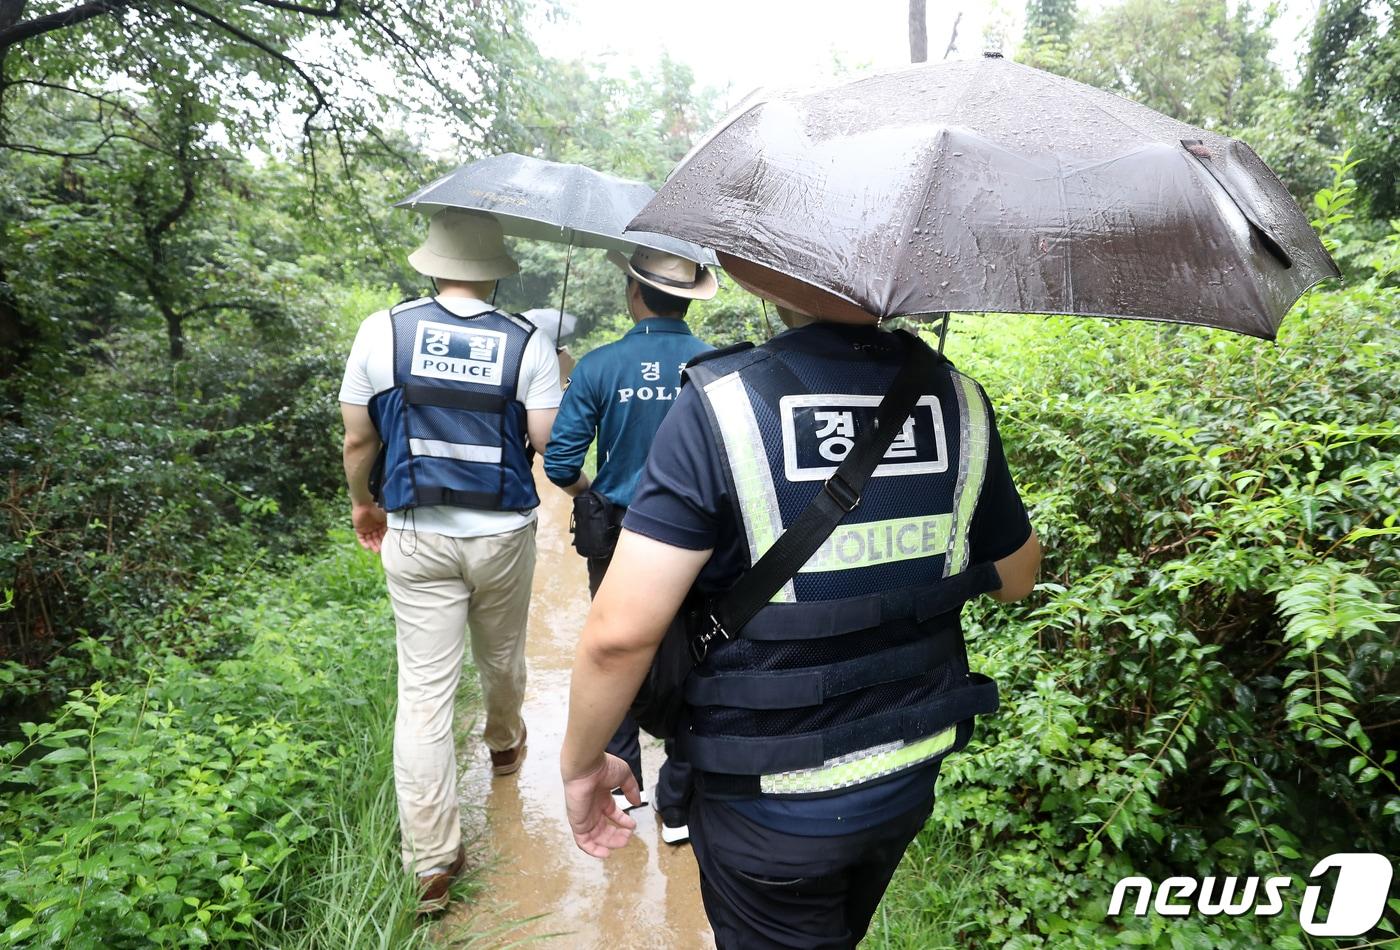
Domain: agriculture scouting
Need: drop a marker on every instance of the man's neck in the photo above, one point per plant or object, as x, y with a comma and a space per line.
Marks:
473, 290
795, 318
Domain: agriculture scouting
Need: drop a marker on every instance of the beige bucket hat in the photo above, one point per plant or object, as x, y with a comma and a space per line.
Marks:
668, 273
463, 245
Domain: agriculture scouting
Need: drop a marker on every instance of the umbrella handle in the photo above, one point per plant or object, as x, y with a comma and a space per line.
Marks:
564, 291
943, 329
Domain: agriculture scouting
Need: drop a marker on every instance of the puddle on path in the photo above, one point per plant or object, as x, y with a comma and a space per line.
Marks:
536, 883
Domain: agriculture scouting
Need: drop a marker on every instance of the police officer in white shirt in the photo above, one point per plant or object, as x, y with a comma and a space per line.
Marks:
445, 399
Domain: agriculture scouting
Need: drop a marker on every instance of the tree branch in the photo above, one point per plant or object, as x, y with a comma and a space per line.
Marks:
250, 306
331, 13
27, 149
116, 104
322, 103
953, 40
63, 19
312, 85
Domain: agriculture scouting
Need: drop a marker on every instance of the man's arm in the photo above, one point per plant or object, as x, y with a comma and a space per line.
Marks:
640, 596
574, 431
538, 423
1018, 571
541, 392
579, 486
358, 453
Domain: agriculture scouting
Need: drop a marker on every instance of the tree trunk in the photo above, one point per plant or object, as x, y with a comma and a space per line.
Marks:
10, 12
12, 335
918, 31
175, 331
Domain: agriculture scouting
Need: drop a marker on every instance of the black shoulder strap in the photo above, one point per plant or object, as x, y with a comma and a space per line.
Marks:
708, 355
839, 496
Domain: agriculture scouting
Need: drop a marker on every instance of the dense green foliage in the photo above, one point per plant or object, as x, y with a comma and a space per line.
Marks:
1206, 681
1209, 63
243, 800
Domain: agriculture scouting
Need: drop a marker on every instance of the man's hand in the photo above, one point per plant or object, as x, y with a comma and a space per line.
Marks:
599, 826
646, 583
370, 523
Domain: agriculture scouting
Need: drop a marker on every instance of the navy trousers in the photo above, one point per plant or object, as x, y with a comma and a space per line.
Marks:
673, 789
765, 889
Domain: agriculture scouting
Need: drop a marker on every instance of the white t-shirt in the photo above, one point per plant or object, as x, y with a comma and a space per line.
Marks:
370, 370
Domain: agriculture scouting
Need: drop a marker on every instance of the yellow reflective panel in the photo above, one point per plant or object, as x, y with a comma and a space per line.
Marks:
875, 542
975, 438
858, 767
748, 467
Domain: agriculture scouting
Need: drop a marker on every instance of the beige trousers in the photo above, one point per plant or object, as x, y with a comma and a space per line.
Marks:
441, 587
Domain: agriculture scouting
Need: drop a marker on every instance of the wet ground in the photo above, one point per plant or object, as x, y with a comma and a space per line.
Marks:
536, 885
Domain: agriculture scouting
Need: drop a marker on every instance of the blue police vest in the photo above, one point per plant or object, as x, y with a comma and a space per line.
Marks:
453, 430
857, 669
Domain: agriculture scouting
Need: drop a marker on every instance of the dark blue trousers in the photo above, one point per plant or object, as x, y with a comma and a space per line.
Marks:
765, 889
673, 788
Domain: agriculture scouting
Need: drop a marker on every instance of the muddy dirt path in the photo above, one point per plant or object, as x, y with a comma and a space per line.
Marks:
536, 883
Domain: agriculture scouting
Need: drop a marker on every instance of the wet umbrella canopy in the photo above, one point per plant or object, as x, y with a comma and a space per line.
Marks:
986, 185
550, 201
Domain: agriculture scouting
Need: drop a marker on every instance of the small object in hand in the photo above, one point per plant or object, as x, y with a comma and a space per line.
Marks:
620, 800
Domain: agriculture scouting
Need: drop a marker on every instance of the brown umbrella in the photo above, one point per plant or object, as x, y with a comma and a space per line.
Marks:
986, 185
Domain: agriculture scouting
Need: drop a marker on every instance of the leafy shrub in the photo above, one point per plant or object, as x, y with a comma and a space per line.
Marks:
128, 479
1205, 683
220, 802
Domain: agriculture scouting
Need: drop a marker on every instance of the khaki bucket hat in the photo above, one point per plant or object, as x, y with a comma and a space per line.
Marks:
668, 273
463, 245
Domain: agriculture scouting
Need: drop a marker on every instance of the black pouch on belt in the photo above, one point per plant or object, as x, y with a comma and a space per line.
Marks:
594, 524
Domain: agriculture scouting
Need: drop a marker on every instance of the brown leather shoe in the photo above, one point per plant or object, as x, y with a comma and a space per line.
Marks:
507, 761
433, 888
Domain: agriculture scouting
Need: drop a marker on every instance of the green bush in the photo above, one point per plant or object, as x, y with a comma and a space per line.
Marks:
132, 480
246, 800
1205, 682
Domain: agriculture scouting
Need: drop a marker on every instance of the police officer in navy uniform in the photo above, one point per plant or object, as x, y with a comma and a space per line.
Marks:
443, 399
816, 733
620, 393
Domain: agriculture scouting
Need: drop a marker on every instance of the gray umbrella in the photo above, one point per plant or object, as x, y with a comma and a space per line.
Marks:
551, 201
986, 185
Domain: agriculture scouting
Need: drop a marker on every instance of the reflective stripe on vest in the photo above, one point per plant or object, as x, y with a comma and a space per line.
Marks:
748, 466
491, 454
858, 768
975, 434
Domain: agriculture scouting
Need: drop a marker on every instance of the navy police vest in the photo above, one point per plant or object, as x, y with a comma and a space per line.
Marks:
453, 430
856, 670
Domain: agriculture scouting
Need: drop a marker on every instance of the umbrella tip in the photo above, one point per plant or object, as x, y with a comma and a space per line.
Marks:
991, 54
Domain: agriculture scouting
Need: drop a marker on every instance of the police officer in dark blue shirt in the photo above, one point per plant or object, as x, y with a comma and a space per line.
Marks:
619, 394
817, 732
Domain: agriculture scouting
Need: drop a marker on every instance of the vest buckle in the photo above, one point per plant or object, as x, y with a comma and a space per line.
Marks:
700, 644
840, 491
